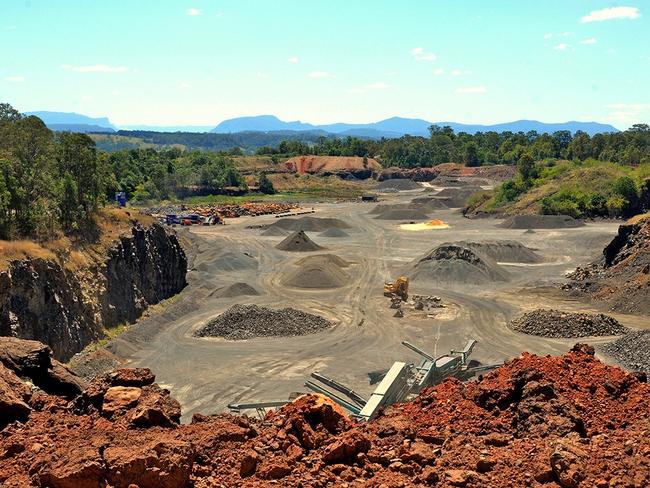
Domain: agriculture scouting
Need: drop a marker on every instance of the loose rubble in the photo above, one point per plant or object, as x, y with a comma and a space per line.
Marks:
230, 211
632, 350
241, 322
558, 324
567, 421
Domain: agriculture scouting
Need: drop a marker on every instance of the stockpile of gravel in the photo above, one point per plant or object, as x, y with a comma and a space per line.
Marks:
235, 290
558, 324
241, 322
504, 251
334, 232
309, 224
632, 350
397, 184
541, 222
320, 271
298, 242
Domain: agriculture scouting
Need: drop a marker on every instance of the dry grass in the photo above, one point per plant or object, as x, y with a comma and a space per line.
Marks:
81, 251
638, 218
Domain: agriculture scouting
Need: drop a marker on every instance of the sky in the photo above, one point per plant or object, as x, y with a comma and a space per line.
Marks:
173, 62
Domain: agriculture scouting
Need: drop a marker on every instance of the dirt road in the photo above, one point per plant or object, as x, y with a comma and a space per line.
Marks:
208, 373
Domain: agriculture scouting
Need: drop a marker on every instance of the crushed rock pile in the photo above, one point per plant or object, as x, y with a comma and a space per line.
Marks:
298, 242
241, 322
235, 290
407, 211
455, 264
541, 222
503, 251
275, 232
621, 279
319, 271
456, 197
309, 224
397, 184
226, 260
334, 232
537, 421
558, 324
430, 203
632, 350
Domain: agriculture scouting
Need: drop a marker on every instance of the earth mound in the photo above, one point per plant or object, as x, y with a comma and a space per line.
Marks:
332, 164
430, 203
455, 264
298, 242
275, 232
621, 279
407, 211
320, 271
242, 322
397, 184
541, 222
456, 197
505, 251
309, 224
334, 232
235, 290
632, 350
228, 261
566, 420
558, 324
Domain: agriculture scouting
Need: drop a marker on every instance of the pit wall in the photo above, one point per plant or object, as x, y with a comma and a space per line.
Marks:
41, 300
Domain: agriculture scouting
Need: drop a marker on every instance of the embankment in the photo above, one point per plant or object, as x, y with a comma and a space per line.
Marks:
69, 307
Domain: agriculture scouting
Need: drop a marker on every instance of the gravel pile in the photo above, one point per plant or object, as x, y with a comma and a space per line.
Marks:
241, 322
632, 350
397, 184
558, 324
541, 222
298, 242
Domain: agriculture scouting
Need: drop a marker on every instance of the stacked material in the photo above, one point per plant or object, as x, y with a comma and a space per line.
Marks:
397, 184
504, 251
241, 322
555, 323
235, 290
298, 242
541, 222
320, 271
334, 232
632, 350
309, 224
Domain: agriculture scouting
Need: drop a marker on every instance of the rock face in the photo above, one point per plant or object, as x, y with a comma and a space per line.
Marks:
41, 300
568, 421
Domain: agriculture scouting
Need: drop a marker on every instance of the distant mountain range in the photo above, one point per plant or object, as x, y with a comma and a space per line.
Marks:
392, 127
398, 126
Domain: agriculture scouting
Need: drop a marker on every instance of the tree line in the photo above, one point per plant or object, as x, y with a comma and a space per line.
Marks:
52, 182
630, 147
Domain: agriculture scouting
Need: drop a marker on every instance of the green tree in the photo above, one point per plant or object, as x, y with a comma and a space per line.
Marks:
471, 156
526, 167
266, 185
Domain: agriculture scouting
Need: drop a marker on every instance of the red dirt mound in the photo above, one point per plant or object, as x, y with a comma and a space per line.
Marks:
330, 164
567, 421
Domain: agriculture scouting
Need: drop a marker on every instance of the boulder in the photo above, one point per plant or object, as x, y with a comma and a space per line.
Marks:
14, 395
120, 398
567, 462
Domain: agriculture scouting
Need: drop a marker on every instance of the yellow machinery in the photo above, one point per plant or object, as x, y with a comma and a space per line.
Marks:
400, 288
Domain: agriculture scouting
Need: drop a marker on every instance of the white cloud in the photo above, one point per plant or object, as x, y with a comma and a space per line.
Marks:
456, 72
96, 68
627, 113
471, 89
591, 40
15, 79
318, 74
611, 13
421, 55
548, 36
193, 12
379, 85
564, 34
439, 72
184, 85
561, 47
293, 60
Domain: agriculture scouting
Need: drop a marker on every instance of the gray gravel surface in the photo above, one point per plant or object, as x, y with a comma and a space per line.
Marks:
555, 323
241, 322
632, 350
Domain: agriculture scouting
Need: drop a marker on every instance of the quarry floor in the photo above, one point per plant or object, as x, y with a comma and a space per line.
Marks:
206, 374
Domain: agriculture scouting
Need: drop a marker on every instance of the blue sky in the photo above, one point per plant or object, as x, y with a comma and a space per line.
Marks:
166, 62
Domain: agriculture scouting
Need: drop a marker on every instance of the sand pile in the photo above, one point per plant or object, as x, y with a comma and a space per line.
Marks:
298, 242
231, 260
397, 184
632, 350
503, 251
275, 232
454, 264
320, 271
235, 290
558, 324
334, 232
541, 222
241, 322
434, 224
309, 224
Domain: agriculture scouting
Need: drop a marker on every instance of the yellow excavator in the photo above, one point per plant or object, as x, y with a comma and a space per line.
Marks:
399, 287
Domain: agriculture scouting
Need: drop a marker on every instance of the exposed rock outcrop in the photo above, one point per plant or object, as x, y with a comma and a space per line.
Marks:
42, 300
